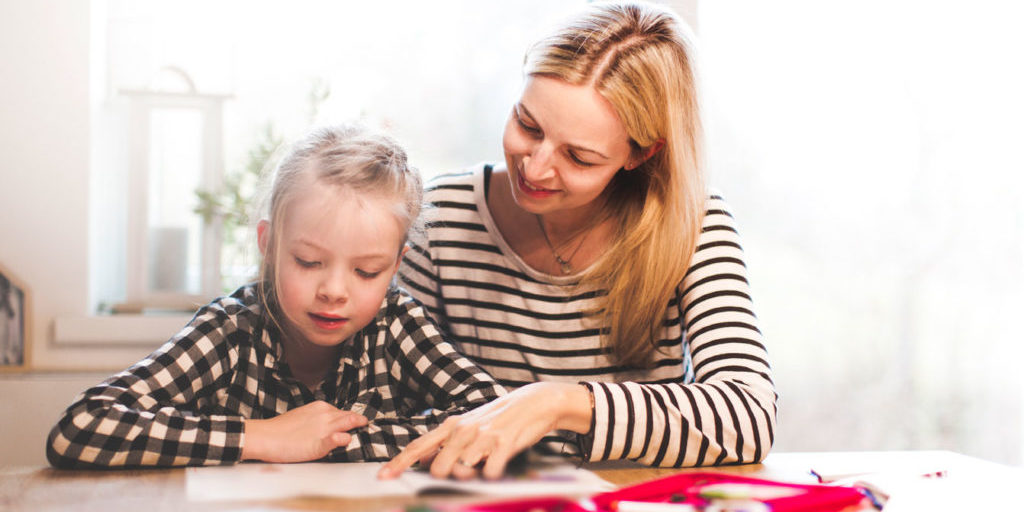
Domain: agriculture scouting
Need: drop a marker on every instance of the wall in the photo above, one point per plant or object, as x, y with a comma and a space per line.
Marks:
44, 183
44, 179
44, 126
29, 406
874, 168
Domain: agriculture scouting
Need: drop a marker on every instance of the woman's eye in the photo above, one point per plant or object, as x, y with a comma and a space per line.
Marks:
367, 275
532, 130
576, 160
306, 264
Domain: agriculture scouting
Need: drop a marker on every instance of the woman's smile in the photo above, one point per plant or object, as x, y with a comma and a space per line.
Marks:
532, 190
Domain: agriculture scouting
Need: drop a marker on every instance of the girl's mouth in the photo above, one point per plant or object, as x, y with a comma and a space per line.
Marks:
328, 321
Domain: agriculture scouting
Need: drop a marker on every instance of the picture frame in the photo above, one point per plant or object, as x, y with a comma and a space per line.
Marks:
15, 322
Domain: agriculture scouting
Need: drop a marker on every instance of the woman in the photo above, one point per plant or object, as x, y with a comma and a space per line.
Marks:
593, 271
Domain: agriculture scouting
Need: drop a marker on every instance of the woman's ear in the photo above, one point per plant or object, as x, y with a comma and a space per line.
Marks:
647, 153
263, 236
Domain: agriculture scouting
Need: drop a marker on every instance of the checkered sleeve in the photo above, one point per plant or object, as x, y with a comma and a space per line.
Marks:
160, 411
430, 380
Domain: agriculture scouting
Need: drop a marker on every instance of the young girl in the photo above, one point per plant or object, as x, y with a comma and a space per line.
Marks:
322, 357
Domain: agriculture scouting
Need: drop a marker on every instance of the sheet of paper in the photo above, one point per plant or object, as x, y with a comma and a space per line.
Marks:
278, 481
538, 480
244, 482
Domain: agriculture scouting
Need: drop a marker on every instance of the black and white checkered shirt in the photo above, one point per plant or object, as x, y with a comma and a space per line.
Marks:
186, 403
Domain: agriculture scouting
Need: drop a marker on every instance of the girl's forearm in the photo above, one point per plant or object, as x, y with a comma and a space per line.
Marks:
254, 440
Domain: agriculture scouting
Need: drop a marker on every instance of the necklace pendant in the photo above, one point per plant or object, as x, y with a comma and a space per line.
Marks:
566, 268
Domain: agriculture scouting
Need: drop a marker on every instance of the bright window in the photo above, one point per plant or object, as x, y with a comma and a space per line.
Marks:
872, 151
439, 76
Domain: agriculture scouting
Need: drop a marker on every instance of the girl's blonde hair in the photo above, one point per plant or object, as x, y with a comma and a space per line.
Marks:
637, 56
346, 156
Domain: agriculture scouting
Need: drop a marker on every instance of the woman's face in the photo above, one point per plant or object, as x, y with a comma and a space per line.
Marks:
563, 144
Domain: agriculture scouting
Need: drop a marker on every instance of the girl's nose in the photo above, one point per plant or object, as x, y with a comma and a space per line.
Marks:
333, 289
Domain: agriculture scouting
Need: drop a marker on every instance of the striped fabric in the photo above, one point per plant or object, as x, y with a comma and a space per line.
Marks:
709, 398
186, 404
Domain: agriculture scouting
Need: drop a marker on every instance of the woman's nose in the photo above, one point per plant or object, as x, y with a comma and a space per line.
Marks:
539, 165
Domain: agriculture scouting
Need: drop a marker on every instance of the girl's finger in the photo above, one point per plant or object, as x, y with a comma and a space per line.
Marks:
346, 421
340, 439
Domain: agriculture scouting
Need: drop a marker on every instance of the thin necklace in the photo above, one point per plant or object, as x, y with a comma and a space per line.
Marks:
564, 263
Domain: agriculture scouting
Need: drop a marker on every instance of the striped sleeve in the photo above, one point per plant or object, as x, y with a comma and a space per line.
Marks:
149, 414
728, 414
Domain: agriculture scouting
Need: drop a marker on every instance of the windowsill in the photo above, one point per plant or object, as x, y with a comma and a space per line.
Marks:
117, 330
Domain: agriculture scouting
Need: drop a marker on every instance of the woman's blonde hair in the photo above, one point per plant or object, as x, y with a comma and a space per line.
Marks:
638, 57
351, 158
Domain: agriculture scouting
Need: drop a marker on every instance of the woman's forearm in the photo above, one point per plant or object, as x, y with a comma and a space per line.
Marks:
576, 408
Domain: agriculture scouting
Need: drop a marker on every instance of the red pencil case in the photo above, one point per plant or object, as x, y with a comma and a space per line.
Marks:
700, 490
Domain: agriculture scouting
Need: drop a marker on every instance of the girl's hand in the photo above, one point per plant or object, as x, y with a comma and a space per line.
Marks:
496, 432
306, 433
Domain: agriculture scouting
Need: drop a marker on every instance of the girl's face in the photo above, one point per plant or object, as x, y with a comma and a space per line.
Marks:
337, 252
563, 144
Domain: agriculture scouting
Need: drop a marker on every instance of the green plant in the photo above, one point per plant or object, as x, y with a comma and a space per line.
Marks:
233, 202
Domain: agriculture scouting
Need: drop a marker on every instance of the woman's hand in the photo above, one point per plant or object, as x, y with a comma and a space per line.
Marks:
306, 433
494, 433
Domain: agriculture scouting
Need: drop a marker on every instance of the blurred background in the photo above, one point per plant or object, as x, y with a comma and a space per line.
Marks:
871, 152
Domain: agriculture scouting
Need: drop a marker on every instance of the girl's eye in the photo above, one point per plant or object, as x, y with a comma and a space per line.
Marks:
367, 275
306, 264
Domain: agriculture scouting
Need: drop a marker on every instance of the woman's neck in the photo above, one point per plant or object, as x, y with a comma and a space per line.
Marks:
569, 225
578, 236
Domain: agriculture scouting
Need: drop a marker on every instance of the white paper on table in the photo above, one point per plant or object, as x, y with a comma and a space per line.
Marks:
538, 480
245, 482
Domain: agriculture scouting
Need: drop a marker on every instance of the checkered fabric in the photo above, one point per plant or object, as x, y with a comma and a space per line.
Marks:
186, 403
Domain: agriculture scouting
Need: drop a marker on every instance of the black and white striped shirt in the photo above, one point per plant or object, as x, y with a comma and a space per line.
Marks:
709, 398
185, 404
